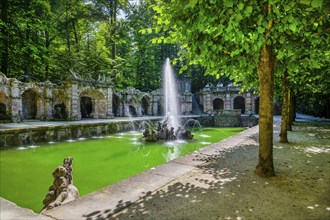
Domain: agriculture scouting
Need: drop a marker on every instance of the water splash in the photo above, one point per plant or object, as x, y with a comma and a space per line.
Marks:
170, 96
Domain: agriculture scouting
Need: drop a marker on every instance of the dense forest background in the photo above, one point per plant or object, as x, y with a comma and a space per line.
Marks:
52, 39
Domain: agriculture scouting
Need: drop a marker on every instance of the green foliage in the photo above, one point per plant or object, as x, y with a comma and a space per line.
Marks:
48, 39
228, 35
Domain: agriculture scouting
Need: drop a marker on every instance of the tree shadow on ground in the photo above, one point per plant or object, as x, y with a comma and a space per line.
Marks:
206, 182
225, 186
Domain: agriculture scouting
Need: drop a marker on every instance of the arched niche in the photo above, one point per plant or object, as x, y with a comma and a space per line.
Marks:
3, 106
218, 104
239, 103
115, 105
92, 104
145, 102
160, 107
29, 104
132, 107
256, 105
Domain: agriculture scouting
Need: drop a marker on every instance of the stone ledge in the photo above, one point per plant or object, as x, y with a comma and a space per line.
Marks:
10, 211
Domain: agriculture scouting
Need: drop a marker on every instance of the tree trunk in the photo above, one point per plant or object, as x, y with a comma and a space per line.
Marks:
113, 23
67, 28
285, 110
292, 111
4, 31
47, 44
75, 33
266, 68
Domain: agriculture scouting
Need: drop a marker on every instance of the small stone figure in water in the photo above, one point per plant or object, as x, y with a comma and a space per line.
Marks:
62, 190
172, 136
162, 133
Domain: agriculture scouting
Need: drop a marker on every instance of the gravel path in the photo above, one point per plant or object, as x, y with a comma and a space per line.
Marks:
227, 188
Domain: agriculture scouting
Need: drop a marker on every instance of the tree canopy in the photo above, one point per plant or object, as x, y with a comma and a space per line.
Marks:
48, 39
246, 39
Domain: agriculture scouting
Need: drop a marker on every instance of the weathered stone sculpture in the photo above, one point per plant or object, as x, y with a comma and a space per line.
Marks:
62, 190
162, 133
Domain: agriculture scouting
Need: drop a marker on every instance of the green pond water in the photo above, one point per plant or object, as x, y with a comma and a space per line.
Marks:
26, 172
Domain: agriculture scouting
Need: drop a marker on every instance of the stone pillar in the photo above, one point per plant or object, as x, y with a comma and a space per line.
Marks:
40, 115
186, 104
109, 105
248, 103
207, 103
16, 102
74, 107
138, 109
228, 105
154, 105
48, 105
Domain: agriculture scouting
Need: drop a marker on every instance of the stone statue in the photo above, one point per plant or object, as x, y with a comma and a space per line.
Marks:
162, 133
62, 190
67, 163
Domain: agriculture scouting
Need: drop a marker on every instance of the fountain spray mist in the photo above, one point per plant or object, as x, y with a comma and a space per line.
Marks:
171, 96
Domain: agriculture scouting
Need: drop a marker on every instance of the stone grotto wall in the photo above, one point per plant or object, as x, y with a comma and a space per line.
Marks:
215, 98
78, 99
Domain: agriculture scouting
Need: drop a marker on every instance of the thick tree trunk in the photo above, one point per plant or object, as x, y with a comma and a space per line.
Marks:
4, 31
285, 110
292, 111
266, 67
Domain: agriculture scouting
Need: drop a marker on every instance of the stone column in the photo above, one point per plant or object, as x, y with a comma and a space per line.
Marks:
48, 105
109, 105
74, 107
154, 105
248, 104
16, 102
207, 103
228, 100
186, 103
138, 109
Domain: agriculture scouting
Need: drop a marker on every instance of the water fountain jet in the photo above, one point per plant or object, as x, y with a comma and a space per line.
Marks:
169, 128
170, 96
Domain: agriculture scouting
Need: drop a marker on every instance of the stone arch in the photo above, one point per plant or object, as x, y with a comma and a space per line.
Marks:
132, 110
115, 105
160, 107
60, 111
239, 103
92, 104
3, 106
145, 102
218, 104
30, 103
256, 105
61, 103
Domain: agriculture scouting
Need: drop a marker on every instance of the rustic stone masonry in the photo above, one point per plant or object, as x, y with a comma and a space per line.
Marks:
78, 99
85, 98
215, 98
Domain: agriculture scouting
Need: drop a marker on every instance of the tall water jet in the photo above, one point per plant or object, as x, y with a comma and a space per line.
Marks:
170, 96
169, 129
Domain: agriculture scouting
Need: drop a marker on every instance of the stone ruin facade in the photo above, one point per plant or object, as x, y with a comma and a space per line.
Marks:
79, 99
218, 98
